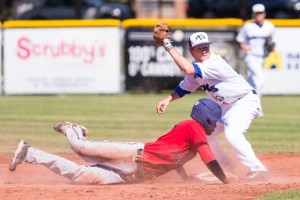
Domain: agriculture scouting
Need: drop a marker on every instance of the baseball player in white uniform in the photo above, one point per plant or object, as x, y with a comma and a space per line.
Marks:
252, 38
239, 101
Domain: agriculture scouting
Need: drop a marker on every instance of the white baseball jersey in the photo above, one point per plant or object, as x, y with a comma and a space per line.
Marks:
218, 79
255, 36
239, 102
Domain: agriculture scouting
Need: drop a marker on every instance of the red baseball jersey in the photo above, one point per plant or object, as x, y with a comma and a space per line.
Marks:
176, 147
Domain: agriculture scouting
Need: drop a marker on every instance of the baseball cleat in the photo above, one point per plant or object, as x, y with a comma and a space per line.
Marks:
61, 127
19, 155
256, 176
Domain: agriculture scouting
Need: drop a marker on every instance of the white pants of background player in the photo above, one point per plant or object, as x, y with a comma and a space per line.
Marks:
237, 118
108, 155
255, 72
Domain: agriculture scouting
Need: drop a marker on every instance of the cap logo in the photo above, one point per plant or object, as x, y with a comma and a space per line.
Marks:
198, 39
201, 37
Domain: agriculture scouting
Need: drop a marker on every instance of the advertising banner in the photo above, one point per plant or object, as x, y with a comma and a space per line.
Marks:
149, 67
62, 60
282, 67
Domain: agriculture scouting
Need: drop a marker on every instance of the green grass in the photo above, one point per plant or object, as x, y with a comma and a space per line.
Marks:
278, 131
132, 117
281, 195
127, 117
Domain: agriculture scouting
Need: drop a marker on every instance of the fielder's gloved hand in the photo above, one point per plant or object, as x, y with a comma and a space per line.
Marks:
162, 36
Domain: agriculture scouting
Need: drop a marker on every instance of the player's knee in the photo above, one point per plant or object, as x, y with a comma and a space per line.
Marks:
235, 136
78, 147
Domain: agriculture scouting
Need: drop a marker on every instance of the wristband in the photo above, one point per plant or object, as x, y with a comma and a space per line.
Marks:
167, 44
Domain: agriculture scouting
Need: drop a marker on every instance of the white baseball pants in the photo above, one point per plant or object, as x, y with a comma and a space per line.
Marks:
108, 158
255, 72
237, 118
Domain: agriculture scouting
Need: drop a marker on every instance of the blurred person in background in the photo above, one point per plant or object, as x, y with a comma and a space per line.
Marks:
22, 6
253, 38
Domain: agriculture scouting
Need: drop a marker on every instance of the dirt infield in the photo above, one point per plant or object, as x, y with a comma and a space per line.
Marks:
37, 182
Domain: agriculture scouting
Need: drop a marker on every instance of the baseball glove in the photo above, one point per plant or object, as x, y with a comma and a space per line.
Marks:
161, 32
269, 44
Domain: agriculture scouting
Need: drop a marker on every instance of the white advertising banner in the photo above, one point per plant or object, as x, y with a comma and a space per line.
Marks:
282, 68
62, 60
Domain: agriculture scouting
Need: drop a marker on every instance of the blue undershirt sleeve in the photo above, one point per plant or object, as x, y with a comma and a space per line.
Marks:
181, 92
197, 69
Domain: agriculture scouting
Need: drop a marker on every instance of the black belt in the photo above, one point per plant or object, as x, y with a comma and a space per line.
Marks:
139, 155
140, 174
253, 92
